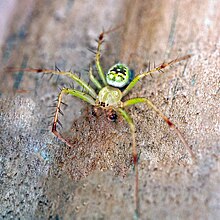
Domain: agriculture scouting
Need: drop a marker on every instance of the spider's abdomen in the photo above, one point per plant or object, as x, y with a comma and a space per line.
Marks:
118, 75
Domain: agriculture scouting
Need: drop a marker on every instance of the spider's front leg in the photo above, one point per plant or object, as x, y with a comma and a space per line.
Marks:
167, 120
129, 120
85, 97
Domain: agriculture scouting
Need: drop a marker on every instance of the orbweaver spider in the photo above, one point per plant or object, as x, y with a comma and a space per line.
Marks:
112, 88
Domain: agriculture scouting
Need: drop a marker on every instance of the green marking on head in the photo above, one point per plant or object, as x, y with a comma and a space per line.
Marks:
118, 75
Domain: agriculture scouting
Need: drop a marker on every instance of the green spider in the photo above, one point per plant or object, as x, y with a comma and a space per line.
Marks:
112, 88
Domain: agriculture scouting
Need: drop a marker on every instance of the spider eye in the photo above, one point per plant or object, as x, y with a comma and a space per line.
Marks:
118, 75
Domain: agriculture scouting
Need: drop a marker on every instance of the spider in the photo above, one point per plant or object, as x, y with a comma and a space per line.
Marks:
108, 95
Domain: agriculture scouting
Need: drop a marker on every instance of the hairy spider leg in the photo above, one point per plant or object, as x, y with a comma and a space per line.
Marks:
159, 68
129, 120
98, 54
69, 74
93, 79
85, 97
134, 101
97, 58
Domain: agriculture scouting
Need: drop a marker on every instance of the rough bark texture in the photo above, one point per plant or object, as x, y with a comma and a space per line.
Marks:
41, 178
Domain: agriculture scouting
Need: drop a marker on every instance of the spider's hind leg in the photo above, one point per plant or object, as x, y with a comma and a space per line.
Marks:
159, 68
93, 79
98, 53
97, 58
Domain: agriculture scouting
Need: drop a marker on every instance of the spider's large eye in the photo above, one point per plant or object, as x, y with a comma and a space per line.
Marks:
118, 75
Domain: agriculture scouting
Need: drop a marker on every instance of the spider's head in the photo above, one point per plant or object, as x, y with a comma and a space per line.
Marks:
119, 75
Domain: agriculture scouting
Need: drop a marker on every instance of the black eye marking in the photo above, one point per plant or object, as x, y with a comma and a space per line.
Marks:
118, 69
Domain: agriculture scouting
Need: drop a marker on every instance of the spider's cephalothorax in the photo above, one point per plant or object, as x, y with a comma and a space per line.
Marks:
109, 97
112, 88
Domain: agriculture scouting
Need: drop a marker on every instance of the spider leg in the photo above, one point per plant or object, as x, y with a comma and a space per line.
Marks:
98, 53
129, 120
156, 69
93, 79
71, 75
73, 92
97, 58
171, 125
